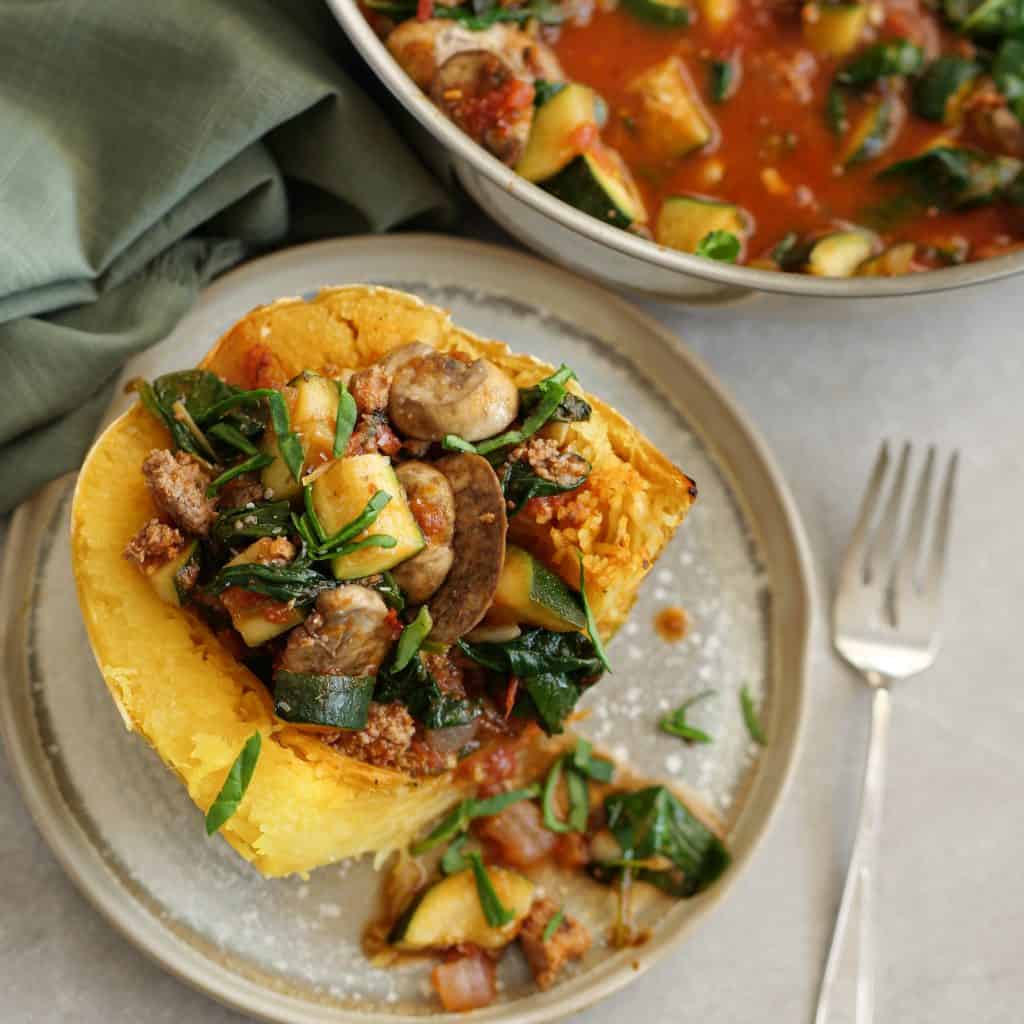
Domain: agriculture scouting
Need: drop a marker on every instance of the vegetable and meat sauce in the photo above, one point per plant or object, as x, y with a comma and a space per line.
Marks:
875, 138
347, 539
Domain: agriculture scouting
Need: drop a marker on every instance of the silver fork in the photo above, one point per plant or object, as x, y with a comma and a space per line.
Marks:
885, 624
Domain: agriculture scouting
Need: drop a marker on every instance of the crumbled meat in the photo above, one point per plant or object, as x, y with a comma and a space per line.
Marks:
446, 673
549, 462
241, 491
389, 741
349, 633
371, 388
177, 483
373, 434
154, 545
988, 118
570, 941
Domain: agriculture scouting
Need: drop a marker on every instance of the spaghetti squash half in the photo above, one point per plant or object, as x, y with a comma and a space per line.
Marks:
360, 531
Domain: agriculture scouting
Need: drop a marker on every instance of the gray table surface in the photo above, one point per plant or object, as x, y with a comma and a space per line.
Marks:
824, 383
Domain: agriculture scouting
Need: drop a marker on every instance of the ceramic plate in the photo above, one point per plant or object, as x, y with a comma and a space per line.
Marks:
288, 950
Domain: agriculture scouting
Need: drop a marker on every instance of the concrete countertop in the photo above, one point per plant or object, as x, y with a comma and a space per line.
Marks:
824, 382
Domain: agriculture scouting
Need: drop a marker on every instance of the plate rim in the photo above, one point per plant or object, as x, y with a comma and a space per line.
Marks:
90, 874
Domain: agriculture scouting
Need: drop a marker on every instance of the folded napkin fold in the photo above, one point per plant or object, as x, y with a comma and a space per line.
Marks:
144, 148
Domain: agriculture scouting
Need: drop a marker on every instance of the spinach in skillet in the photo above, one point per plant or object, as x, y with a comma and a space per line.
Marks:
953, 178
553, 669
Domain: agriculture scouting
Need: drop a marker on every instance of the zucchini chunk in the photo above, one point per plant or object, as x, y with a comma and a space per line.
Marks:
340, 494
252, 622
875, 131
895, 261
840, 254
313, 413
599, 183
684, 221
169, 580
528, 592
834, 30
660, 12
939, 93
449, 913
338, 702
672, 120
563, 127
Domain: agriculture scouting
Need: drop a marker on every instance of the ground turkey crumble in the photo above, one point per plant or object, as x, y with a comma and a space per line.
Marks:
569, 941
548, 461
177, 483
154, 545
389, 740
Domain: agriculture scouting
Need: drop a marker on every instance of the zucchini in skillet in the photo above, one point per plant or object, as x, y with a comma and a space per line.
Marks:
672, 13
599, 183
685, 221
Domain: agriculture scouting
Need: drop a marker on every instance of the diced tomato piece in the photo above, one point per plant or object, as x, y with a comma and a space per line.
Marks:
466, 982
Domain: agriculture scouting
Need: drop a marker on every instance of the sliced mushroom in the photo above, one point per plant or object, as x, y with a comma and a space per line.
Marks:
349, 634
483, 95
479, 543
414, 45
403, 354
433, 504
439, 394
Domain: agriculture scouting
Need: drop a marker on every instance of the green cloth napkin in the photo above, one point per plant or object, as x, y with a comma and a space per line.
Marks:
145, 148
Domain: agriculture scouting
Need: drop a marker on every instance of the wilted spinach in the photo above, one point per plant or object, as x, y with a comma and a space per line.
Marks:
950, 178
296, 582
416, 688
241, 524
883, 60
519, 484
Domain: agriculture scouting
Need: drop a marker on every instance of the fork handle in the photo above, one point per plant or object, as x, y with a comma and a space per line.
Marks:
849, 944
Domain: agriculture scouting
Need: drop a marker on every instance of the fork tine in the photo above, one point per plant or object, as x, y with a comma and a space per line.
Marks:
943, 527
880, 554
910, 556
853, 560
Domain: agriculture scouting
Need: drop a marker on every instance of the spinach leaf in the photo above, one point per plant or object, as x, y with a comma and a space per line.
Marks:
835, 111
250, 465
583, 761
553, 668
296, 581
1008, 73
477, 16
722, 79
719, 245
269, 520
389, 589
519, 484
652, 822
883, 60
543, 90
953, 178
345, 421
986, 17
458, 819
416, 688
571, 409
239, 776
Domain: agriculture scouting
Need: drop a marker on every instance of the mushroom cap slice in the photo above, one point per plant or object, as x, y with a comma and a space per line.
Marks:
479, 546
432, 503
439, 394
481, 92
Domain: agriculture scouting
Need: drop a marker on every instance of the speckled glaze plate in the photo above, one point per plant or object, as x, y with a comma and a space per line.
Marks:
288, 950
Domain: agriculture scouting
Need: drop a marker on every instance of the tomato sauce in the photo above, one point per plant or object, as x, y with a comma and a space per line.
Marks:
775, 154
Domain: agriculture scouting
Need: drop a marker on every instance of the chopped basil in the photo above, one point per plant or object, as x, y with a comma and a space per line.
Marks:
320, 546
457, 820
835, 111
264, 520
239, 776
496, 913
454, 860
583, 761
676, 725
250, 465
551, 390
719, 245
389, 589
652, 822
346, 421
592, 632
578, 767
750, 717
571, 409
412, 638
553, 925
551, 820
